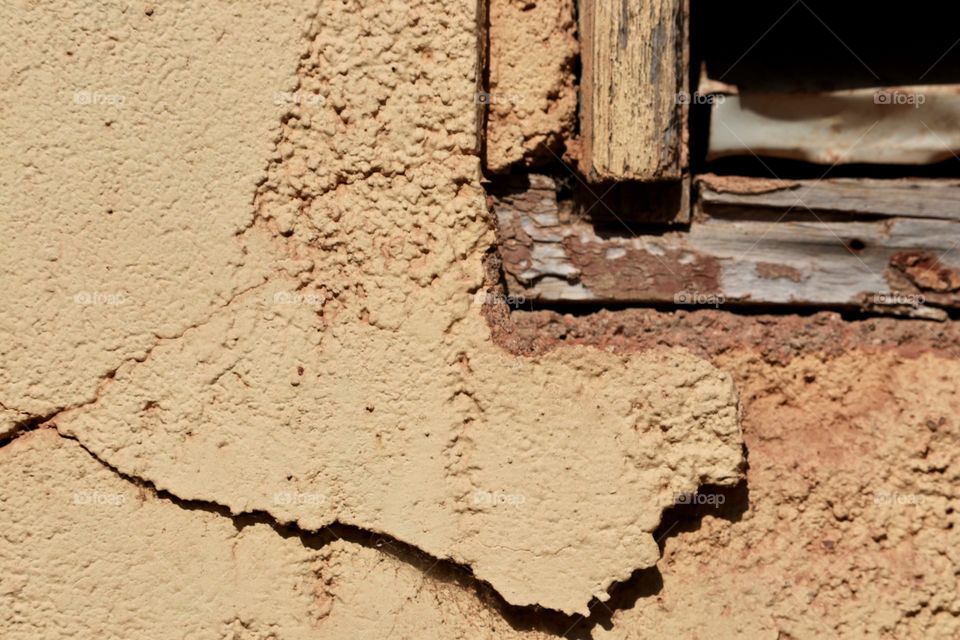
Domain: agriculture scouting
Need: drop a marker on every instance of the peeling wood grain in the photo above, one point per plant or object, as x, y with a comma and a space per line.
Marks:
628, 271
908, 198
634, 61
897, 265
480, 76
903, 125
773, 270
741, 185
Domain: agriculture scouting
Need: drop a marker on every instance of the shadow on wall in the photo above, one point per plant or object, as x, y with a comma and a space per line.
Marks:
728, 503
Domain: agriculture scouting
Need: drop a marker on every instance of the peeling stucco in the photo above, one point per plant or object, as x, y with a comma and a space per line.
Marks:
257, 381
295, 330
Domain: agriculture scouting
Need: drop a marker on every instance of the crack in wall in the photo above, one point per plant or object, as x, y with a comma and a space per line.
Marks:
623, 594
33, 421
418, 256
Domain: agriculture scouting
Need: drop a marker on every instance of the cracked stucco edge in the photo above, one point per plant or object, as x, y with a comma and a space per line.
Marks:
402, 551
546, 618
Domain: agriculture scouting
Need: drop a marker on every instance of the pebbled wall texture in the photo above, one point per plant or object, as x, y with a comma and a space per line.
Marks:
532, 95
257, 380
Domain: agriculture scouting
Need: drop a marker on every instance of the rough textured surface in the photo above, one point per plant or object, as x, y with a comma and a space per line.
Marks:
778, 339
352, 378
532, 98
850, 528
124, 179
633, 115
312, 340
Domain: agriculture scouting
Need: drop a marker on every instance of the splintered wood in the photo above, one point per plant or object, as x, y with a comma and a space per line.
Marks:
820, 244
633, 89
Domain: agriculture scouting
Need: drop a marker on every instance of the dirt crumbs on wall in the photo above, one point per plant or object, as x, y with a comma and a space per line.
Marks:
847, 523
849, 528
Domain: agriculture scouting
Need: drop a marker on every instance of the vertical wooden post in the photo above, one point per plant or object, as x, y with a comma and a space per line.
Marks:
633, 116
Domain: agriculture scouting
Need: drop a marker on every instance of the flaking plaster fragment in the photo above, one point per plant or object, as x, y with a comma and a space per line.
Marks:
545, 476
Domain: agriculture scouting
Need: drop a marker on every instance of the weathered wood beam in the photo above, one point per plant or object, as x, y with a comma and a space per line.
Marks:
898, 265
905, 125
908, 198
634, 76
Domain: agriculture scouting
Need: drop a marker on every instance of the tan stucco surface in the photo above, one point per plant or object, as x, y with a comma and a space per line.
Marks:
247, 389
283, 312
132, 146
532, 97
87, 553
